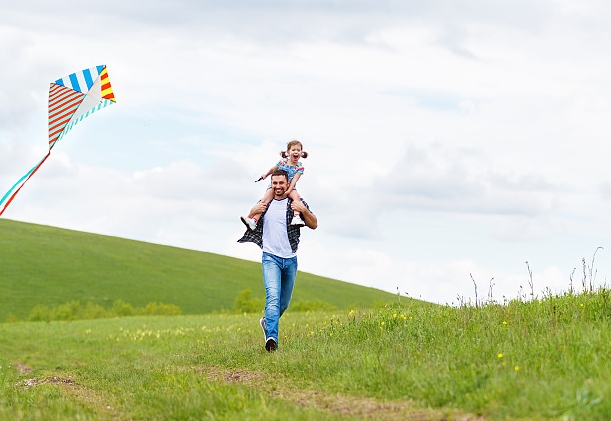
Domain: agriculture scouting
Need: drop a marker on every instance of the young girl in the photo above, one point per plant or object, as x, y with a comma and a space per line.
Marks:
291, 164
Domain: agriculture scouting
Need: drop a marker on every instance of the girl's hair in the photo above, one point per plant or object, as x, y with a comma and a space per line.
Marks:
292, 143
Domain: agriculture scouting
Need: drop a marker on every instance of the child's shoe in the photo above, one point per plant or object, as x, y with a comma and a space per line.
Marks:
298, 221
250, 223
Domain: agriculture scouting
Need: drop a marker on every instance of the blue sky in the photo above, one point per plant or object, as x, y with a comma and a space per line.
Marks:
447, 139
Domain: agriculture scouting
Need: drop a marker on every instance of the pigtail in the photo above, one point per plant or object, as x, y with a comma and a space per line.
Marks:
288, 147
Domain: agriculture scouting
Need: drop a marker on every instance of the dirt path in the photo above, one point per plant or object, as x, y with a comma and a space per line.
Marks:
337, 403
362, 407
90, 398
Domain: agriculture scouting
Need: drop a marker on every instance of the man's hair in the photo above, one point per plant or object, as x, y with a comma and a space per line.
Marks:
282, 173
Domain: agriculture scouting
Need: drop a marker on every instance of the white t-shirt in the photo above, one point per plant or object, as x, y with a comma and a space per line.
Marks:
275, 238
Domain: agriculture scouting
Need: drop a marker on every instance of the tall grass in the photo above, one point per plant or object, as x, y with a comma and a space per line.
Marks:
547, 358
543, 359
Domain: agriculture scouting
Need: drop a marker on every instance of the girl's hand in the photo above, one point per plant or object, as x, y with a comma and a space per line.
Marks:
286, 193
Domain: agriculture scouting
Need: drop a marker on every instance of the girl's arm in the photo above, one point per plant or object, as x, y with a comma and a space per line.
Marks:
271, 170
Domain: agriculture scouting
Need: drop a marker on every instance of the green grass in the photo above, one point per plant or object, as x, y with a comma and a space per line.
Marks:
47, 266
537, 360
545, 359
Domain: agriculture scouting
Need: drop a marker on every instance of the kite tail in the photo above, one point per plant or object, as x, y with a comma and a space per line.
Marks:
8, 197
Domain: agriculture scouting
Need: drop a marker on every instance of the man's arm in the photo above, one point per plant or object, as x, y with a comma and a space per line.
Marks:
308, 217
258, 209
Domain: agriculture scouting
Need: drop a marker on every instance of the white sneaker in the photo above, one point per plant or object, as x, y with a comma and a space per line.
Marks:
263, 327
250, 223
298, 221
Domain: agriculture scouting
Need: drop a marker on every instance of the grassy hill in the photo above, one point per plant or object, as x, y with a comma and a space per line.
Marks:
42, 265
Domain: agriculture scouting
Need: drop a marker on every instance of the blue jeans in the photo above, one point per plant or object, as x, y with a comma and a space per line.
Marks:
279, 279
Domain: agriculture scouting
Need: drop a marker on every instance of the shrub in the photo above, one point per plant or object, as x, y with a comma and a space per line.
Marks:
122, 309
245, 303
313, 305
92, 311
40, 313
160, 309
68, 311
75, 311
12, 318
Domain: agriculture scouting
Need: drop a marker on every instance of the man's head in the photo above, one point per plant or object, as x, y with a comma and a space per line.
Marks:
280, 183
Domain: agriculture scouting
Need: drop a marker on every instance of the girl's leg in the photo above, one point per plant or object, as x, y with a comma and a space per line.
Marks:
251, 223
295, 198
269, 194
297, 220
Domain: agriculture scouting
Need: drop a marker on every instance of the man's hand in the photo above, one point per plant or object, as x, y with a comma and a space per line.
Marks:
308, 217
258, 209
298, 206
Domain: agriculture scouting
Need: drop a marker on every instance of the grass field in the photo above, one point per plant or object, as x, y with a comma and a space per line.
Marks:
546, 359
48, 266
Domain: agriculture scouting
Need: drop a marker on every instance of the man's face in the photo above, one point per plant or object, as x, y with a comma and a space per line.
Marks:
279, 184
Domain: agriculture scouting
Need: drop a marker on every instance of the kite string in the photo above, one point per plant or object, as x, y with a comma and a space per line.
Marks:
21, 181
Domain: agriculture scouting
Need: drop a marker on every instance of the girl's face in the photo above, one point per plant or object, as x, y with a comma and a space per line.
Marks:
294, 153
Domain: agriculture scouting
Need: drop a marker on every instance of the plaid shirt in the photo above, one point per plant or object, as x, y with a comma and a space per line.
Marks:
292, 231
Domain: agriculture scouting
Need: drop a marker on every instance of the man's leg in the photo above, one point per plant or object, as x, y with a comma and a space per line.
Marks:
289, 272
271, 266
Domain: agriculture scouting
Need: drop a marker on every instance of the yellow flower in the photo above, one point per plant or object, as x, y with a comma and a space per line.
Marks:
383, 323
500, 355
516, 368
581, 305
504, 323
351, 312
394, 316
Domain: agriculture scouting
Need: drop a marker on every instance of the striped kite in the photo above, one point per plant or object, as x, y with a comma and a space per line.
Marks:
71, 99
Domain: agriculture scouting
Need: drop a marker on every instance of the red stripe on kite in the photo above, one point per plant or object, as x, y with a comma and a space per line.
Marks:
8, 202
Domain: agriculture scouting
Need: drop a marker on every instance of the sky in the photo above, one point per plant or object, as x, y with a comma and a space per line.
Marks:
457, 149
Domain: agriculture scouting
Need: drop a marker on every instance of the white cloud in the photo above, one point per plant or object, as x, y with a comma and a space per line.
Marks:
445, 138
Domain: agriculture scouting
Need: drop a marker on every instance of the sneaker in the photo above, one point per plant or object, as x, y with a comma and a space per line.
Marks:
298, 221
250, 223
271, 345
264, 327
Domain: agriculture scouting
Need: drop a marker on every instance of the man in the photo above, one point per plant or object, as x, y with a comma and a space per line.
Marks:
279, 240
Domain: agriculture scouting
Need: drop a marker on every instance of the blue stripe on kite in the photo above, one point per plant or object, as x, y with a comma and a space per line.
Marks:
88, 79
100, 68
73, 123
74, 82
59, 82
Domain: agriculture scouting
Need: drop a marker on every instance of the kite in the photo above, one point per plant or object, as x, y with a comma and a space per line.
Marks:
71, 99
